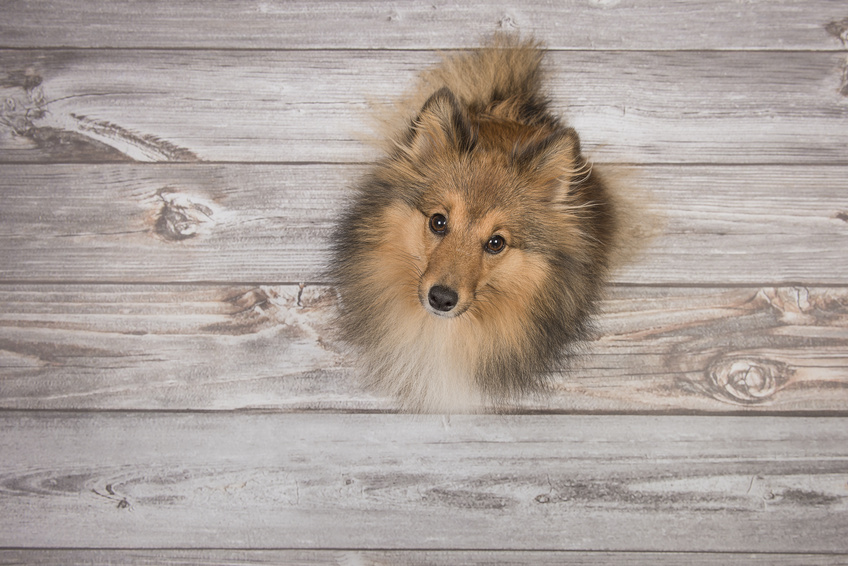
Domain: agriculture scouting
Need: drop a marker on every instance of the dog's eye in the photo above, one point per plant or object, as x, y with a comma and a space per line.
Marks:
496, 244
438, 224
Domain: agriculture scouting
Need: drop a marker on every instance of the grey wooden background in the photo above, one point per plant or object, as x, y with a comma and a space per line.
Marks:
170, 388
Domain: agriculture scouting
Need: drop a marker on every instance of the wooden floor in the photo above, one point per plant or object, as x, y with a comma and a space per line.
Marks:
170, 388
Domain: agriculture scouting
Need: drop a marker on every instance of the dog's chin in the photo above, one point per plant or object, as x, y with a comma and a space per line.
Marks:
453, 313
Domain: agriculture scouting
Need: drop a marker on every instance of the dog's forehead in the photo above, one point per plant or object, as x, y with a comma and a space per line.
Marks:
481, 185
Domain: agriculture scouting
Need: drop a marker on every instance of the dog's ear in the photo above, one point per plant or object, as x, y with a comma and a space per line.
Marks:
553, 162
441, 125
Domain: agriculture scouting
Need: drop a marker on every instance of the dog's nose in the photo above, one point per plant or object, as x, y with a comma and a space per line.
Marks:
442, 298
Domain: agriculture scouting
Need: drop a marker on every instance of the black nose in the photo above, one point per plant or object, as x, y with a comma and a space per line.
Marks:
442, 298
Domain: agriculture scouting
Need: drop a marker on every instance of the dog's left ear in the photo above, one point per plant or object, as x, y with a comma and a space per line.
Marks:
553, 161
441, 126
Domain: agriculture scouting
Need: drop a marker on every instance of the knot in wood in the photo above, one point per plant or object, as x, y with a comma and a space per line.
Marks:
180, 217
747, 380
508, 22
793, 303
839, 30
23, 102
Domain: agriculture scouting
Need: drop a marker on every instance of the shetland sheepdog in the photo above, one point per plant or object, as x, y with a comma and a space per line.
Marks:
471, 258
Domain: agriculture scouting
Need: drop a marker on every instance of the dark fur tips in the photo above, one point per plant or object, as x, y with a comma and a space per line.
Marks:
552, 160
442, 121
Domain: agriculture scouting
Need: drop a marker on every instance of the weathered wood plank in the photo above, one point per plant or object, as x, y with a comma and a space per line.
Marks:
272, 223
176, 557
666, 107
396, 482
659, 350
657, 24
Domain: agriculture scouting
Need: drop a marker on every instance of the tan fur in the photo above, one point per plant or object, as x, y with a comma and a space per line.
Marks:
473, 76
405, 262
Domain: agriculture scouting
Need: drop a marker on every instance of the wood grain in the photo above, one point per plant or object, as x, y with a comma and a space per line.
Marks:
754, 225
294, 106
171, 389
660, 350
397, 482
177, 557
572, 24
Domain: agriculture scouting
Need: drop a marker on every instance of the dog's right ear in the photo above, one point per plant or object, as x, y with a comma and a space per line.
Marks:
441, 125
553, 161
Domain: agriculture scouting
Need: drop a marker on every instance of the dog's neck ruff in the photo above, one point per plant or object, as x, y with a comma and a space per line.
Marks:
428, 363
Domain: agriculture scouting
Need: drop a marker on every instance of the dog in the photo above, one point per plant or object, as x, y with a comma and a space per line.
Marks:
470, 261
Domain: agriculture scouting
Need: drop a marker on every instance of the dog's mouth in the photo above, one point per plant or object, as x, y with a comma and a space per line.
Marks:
444, 315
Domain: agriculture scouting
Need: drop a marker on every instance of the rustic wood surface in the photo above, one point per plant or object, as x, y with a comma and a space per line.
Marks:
153, 480
181, 557
222, 347
749, 225
302, 24
171, 388
293, 106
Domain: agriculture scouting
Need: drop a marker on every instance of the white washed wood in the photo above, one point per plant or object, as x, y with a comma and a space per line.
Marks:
659, 107
229, 480
388, 481
573, 24
341, 557
96, 347
760, 225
